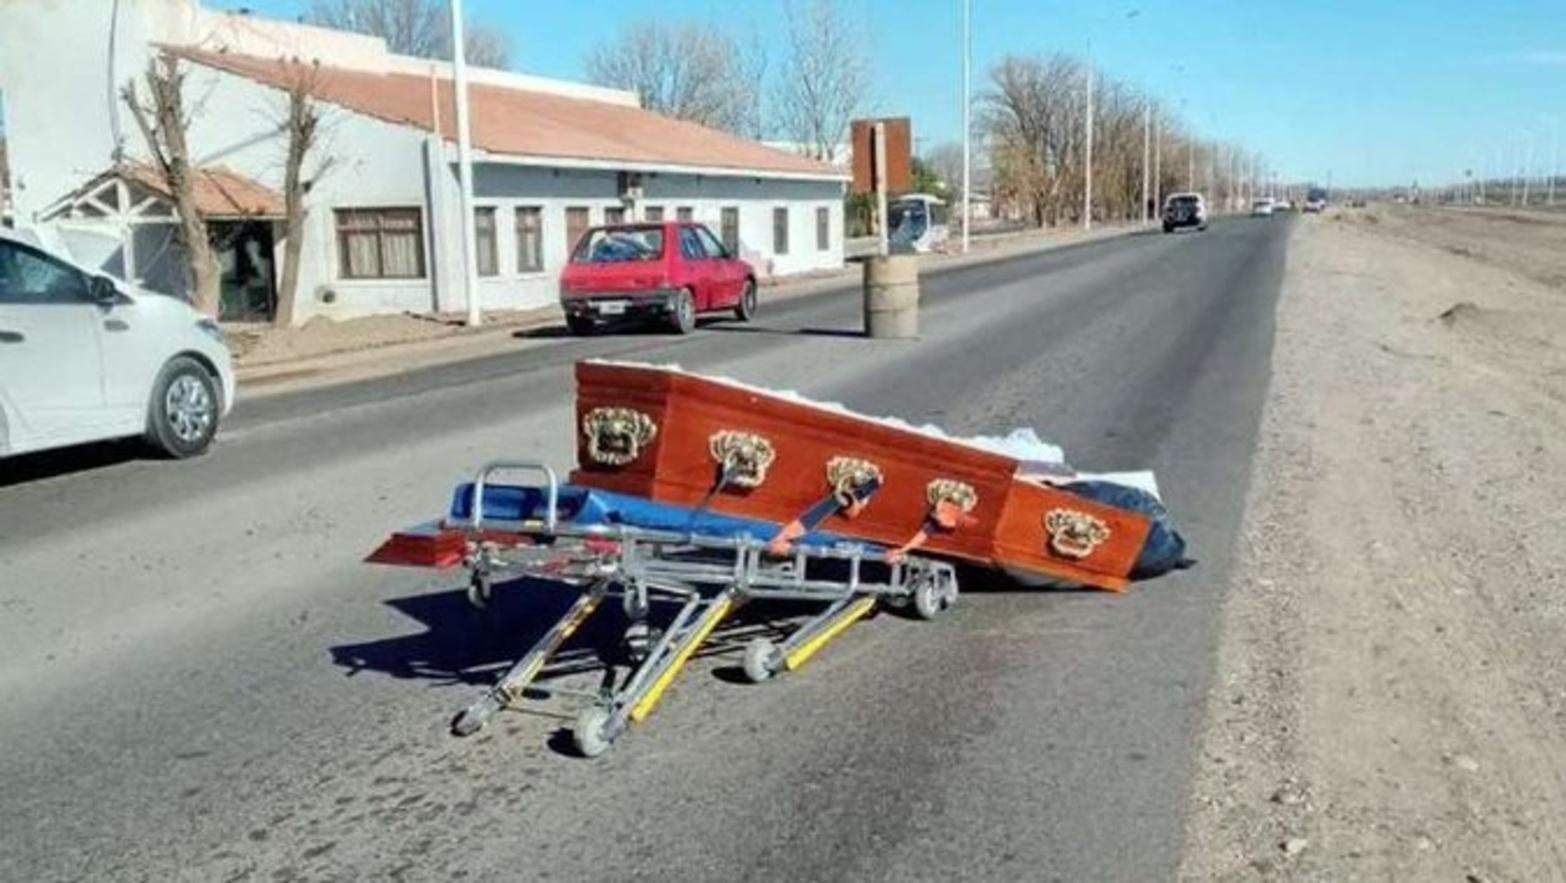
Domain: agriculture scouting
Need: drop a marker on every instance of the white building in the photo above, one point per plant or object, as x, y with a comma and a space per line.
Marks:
550, 159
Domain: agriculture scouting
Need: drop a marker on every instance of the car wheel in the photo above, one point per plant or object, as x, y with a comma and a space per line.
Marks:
183, 415
682, 312
745, 310
581, 326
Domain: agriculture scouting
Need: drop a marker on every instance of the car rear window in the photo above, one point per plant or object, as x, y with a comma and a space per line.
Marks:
1183, 201
613, 246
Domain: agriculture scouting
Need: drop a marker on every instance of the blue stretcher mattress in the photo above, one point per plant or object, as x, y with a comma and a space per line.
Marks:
589, 506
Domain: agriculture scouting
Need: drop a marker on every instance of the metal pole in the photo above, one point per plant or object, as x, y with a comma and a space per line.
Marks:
1147, 134
1158, 171
459, 63
967, 126
1527, 174
1555, 164
1087, 184
884, 245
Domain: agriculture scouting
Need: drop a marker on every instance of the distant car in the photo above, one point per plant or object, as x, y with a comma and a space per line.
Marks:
665, 273
1315, 200
1184, 210
1282, 205
84, 357
1262, 208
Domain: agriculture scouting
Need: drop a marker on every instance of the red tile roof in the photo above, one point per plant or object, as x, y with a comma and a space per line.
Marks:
524, 122
221, 192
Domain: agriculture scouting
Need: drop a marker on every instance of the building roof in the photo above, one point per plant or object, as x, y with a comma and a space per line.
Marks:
523, 122
221, 192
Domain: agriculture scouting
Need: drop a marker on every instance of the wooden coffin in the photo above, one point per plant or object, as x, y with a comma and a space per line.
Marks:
662, 434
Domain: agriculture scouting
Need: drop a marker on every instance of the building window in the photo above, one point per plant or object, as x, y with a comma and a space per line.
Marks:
685, 214
780, 231
380, 243
484, 239
653, 214
730, 224
614, 214
530, 239
577, 222
823, 228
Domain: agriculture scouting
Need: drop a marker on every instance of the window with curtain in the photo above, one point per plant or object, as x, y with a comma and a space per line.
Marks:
577, 222
380, 243
823, 228
654, 214
530, 239
614, 215
780, 231
685, 213
484, 235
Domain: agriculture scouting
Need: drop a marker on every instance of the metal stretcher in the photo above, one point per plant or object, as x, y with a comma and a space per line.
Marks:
605, 546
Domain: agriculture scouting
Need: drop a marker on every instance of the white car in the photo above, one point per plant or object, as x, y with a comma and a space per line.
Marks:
1262, 208
84, 357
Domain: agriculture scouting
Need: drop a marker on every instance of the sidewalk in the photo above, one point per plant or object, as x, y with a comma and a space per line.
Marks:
323, 352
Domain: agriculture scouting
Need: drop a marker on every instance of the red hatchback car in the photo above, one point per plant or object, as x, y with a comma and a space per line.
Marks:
664, 272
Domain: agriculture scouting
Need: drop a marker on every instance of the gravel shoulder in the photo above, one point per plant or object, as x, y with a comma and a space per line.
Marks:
1391, 683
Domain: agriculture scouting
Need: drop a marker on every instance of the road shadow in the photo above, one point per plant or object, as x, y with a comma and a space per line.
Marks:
66, 461
797, 332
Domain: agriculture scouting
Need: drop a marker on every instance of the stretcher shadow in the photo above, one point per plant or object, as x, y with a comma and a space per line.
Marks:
461, 645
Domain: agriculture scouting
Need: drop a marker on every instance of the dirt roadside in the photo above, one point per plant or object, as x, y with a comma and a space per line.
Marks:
323, 352
1390, 695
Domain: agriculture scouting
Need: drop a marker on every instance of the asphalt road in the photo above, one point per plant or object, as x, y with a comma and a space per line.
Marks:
200, 680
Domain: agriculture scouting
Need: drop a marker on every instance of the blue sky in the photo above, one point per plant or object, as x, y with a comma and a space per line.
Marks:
1376, 92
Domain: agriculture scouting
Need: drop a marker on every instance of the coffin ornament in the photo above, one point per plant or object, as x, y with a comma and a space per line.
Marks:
1074, 534
743, 457
949, 500
846, 475
616, 436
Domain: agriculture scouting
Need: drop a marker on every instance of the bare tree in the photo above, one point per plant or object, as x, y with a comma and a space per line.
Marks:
1033, 117
414, 27
163, 122
302, 125
824, 82
946, 161
692, 72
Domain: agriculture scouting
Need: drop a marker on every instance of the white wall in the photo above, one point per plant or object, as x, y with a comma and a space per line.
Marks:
56, 78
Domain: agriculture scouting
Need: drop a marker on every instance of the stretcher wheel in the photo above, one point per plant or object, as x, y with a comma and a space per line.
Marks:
474, 717
590, 734
479, 590
760, 662
932, 595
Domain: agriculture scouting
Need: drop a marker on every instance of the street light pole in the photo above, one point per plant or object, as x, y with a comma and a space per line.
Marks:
1555, 164
1158, 167
1147, 135
459, 65
967, 126
1087, 184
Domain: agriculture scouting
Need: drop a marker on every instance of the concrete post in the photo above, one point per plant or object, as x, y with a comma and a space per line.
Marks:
891, 290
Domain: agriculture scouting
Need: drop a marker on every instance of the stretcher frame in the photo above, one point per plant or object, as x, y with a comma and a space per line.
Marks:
707, 576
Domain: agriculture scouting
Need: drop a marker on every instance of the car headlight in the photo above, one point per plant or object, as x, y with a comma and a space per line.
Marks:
210, 328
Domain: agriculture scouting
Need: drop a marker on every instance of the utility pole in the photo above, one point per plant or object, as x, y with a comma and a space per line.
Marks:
1087, 181
1190, 164
967, 126
1527, 172
1147, 147
1158, 170
459, 65
1555, 164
